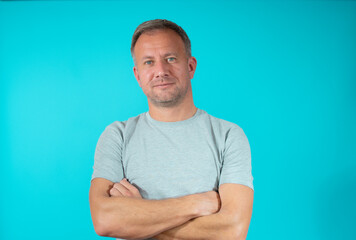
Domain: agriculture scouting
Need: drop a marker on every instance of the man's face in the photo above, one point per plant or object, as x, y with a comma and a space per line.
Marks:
162, 67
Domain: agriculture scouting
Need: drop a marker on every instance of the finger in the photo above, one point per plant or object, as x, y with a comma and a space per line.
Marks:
115, 193
128, 185
134, 191
122, 189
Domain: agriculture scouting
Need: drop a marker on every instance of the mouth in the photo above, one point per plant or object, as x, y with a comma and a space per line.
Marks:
162, 85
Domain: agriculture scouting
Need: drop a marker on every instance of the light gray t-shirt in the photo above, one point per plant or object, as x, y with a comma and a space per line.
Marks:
173, 159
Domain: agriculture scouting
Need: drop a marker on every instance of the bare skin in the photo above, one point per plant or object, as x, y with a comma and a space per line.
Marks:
231, 222
119, 211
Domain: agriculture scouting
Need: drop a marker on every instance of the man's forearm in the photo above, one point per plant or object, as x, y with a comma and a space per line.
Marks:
231, 222
215, 226
139, 218
133, 218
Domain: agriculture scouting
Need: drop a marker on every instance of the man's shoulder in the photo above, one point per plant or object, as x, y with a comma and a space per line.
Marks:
221, 124
123, 126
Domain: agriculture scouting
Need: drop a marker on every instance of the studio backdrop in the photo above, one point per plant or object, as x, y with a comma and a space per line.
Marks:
284, 71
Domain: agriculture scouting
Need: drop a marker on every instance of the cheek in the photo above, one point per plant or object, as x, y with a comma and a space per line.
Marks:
184, 73
179, 71
146, 77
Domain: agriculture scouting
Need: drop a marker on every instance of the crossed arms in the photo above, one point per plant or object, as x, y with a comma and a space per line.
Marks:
118, 210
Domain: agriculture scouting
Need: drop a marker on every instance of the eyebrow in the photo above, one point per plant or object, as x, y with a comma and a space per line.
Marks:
146, 57
170, 54
165, 55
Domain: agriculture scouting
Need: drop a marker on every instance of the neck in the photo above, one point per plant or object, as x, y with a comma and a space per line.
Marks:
172, 114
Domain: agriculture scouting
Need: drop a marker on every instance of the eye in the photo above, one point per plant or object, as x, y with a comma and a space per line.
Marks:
148, 62
171, 59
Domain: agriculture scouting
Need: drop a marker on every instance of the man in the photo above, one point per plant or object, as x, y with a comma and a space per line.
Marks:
174, 172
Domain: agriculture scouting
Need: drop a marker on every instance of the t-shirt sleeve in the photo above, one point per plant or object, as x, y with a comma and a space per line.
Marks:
236, 165
108, 152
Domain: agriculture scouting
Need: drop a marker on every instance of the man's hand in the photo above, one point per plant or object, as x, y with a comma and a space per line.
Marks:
210, 203
124, 189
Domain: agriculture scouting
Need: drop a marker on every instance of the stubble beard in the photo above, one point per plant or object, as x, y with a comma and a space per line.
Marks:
171, 98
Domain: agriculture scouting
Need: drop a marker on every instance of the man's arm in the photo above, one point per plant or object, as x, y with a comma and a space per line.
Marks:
135, 218
231, 222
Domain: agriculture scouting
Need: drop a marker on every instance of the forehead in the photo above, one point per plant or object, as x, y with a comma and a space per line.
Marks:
158, 41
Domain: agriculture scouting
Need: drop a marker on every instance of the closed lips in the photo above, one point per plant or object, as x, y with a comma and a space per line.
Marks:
163, 84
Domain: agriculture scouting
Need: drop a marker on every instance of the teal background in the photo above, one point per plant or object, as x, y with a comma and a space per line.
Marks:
285, 71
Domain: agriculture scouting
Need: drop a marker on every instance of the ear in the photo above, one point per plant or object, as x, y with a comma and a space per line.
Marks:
135, 70
192, 65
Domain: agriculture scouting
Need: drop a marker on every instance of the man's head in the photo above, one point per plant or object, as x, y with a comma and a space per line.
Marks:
163, 65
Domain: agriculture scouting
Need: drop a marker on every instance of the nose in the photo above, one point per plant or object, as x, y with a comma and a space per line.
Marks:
161, 69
